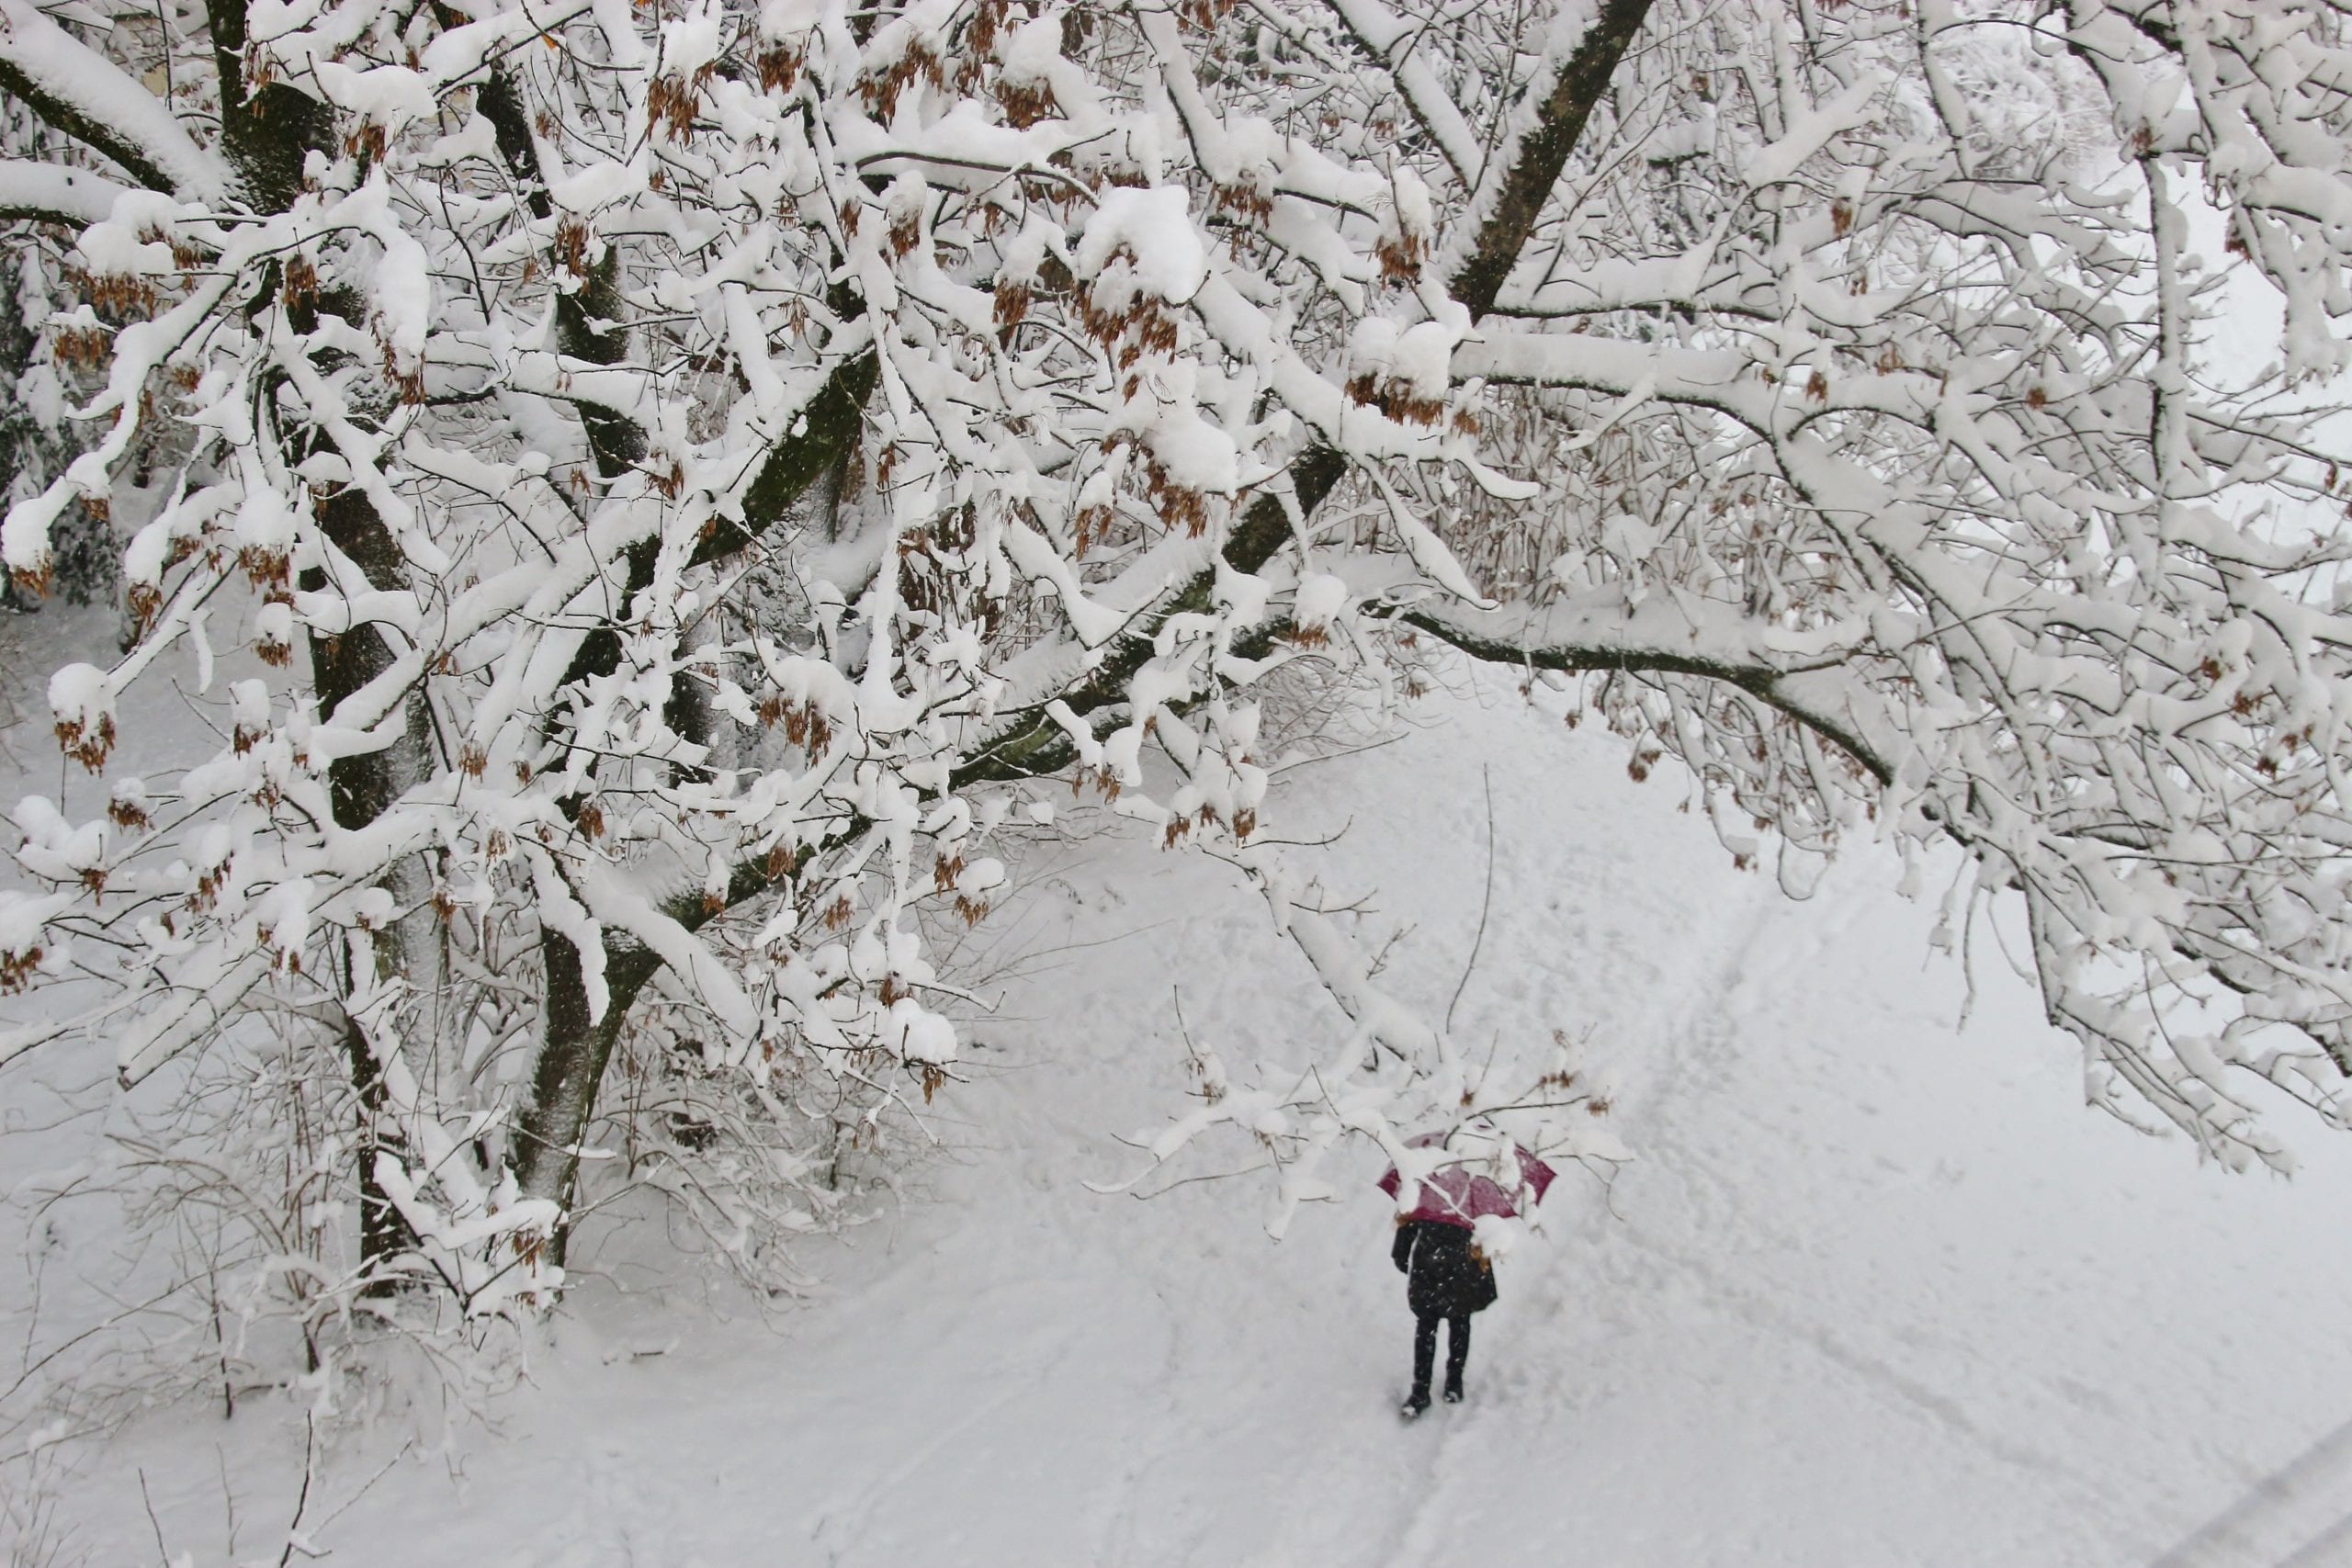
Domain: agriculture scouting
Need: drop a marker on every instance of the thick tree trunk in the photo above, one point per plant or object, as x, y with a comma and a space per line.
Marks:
571, 1062
267, 135
360, 789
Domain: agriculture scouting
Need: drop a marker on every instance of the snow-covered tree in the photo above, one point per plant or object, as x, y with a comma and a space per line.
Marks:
681, 466
42, 369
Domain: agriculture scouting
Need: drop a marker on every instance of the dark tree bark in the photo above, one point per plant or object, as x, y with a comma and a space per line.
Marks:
1543, 152
571, 1069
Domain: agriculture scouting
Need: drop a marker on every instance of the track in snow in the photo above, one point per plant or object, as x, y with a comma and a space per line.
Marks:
1874, 1293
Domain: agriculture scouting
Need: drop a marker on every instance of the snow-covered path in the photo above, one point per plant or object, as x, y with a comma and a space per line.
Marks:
1875, 1293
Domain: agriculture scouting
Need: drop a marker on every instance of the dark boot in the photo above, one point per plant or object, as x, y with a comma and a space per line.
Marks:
1457, 1351
1424, 1363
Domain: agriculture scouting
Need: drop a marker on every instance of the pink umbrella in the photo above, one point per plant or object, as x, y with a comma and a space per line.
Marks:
1456, 1195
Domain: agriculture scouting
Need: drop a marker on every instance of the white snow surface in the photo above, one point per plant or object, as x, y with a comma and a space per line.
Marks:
1875, 1292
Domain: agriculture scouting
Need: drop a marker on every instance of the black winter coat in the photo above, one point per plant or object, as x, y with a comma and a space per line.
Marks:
1442, 1277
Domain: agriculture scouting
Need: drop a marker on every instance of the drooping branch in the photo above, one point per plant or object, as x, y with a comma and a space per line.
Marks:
1817, 689
1037, 745
80, 92
53, 193
576, 1048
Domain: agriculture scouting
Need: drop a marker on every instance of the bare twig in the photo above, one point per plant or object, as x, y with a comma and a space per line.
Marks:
163, 1552
368, 1484
302, 1499
1486, 902
228, 1497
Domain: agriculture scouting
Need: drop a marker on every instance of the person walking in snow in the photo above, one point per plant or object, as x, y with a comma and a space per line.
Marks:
1446, 1279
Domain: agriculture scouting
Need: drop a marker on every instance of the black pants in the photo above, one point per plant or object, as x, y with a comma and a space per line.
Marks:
1457, 1350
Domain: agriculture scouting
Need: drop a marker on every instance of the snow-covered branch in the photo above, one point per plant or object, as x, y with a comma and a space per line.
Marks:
82, 93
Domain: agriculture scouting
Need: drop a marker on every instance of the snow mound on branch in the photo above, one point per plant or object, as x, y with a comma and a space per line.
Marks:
1142, 243
1420, 356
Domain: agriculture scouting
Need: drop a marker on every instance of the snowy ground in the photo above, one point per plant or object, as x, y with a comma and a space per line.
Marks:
1875, 1293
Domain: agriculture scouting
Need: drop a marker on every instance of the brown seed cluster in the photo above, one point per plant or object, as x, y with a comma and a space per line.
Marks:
1012, 302
571, 244
297, 282
407, 381
987, 25
289, 960
209, 884
87, 744
905, 232
880, 90
267, 566
1400, 257
116, 293
1126, 334
1396, 397
1106, 782
1252, 202
1093, 523
17, 969
1025, 102
804, 722
1244, 823
672, 102
1178, 505
33, 579
367, 143
779, 67
83, 347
